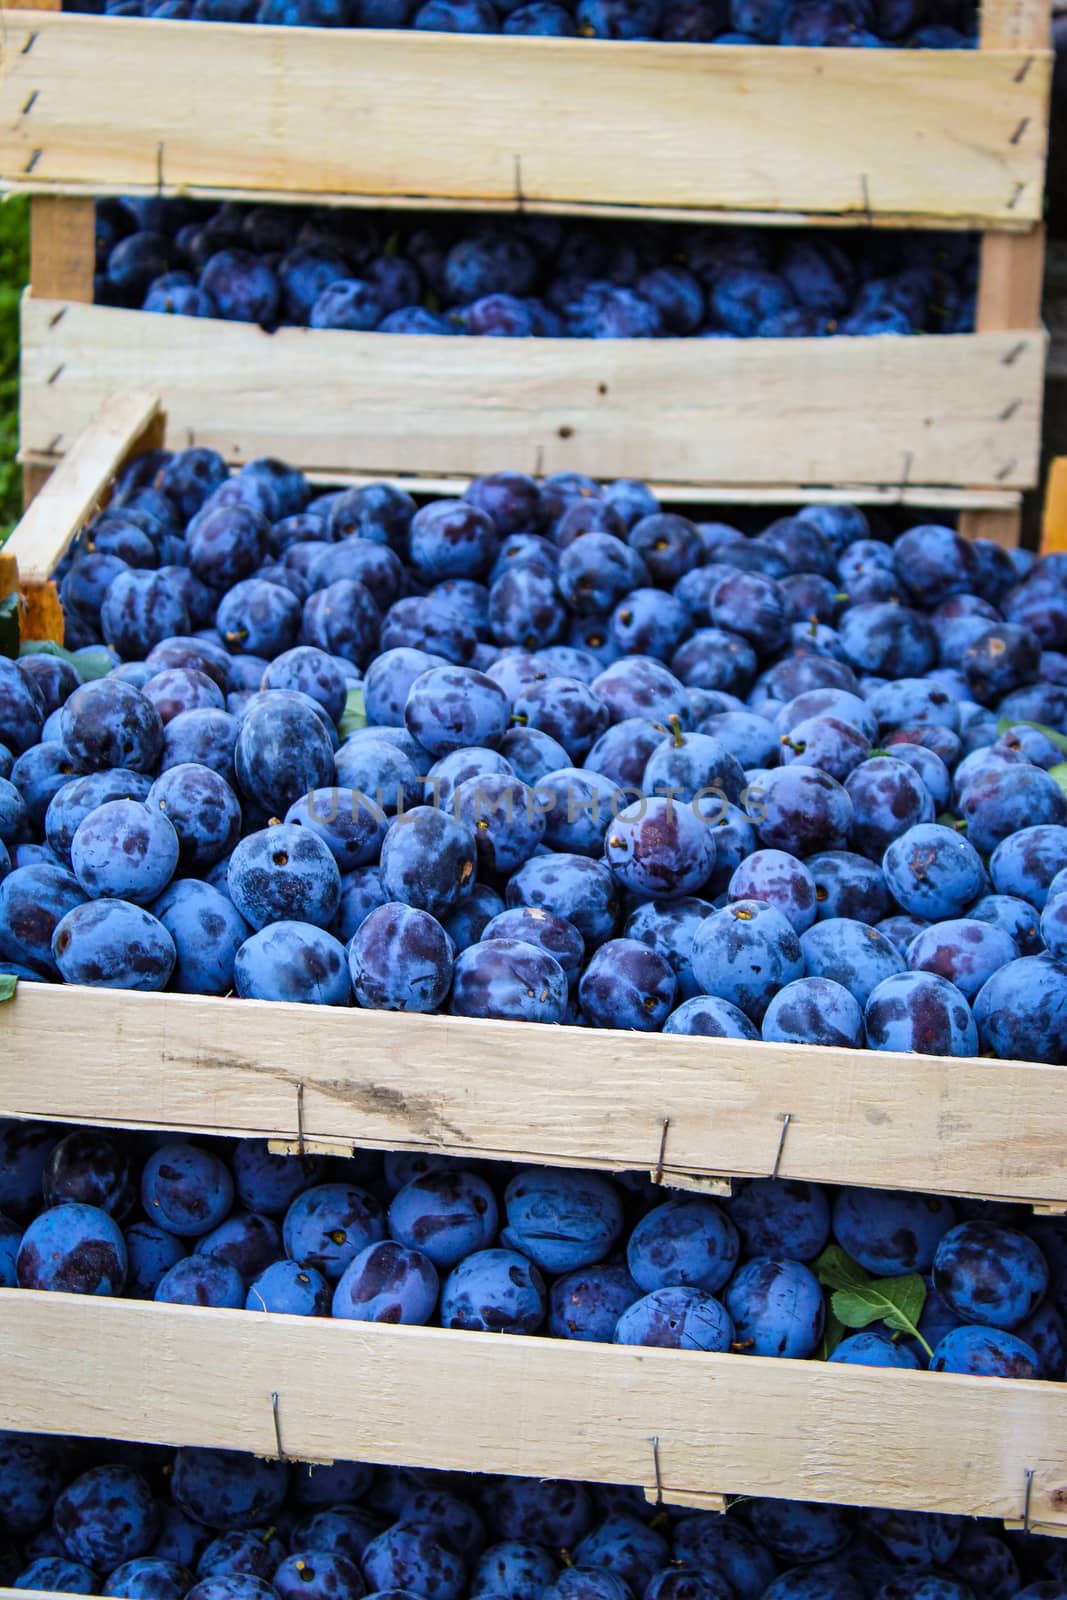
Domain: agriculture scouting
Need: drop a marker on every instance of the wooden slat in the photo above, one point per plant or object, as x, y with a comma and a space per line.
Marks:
35, 474
930, 411
996, 500
62, 247
53, 520
517, 1091
539, 1407
1015, 24
1002, 527
936, 136
1010, 281
1012, 268
1054, 519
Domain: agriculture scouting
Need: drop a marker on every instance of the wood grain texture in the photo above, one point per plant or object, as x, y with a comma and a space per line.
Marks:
540, 1407
62, 247
35, 474
1010, 281
57, 513
519, 1091
960, 410
1054, 517
722, 495
1003, 527
1015, 24
937, 136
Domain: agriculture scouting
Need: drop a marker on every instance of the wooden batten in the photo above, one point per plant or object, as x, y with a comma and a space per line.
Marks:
480, 1402
933, 412
523, 1092
916, 137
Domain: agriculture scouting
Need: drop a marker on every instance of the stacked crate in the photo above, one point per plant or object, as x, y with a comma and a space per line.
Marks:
886, 138
829, 137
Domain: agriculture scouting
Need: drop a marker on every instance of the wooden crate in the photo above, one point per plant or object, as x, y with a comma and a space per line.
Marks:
218, 111
694, 1111
478, 1402
692, 1428
938, 415
889, 138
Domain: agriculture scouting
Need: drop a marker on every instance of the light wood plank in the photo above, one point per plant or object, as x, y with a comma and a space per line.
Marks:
540, 1407
882, 412
1015, 24
60, 509
930, 136
1003, 527
517, 1091
1054, 520
681, 493
1010, 281
62, 247
35, 474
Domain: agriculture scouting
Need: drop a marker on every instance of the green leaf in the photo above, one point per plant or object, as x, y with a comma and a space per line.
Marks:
1059, 772
354, 715
9, 626
1058, 739
898, 1302
833, 1333
92, 664
8, 984
836, 1269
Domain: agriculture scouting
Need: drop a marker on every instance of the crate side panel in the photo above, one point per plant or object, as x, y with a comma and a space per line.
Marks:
538, 1407
943, 411
957, 136
518, 1091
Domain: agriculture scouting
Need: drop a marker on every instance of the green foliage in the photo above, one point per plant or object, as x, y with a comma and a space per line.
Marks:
857, 1299
1058, 739
354, 714
93, 664
8, 984
9, 626
14, 274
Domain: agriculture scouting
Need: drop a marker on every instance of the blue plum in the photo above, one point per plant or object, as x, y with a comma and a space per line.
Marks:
387, 1282
891, 1232
814, 1011
327, 1226
990, 1274
400, 959
291, 1289
126, 850
627, 984
186, 1190
201, 1281
561, 1220
985, 1353
73, 1249
920, 1011
494, 1291
106, 1517
112, 944
745, 953
688, 1241
777, 1307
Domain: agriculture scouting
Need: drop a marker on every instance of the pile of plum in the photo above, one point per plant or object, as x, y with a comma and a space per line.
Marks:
859, 24
495, 1248
620, 769
92, 1517
534, 276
